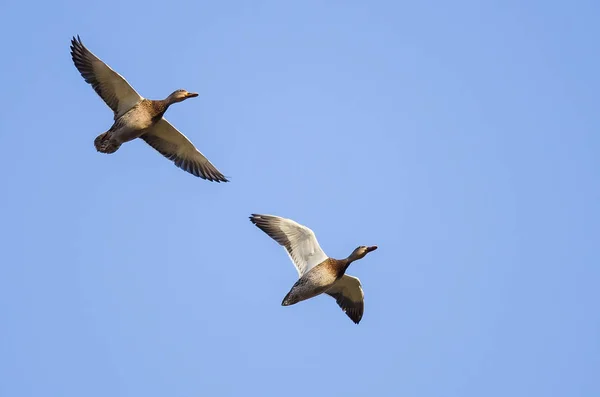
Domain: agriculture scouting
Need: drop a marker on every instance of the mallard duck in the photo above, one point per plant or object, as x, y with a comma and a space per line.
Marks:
138, 117
317, 272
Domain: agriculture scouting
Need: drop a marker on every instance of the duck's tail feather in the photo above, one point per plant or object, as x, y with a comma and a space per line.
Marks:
104, 143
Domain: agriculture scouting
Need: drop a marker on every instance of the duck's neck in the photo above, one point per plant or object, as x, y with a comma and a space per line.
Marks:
168, 101
353, 257
160, 106
347, 261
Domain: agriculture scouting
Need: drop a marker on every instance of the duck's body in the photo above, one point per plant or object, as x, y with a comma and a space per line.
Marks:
138, 117
131, 125
316, 281
317, 272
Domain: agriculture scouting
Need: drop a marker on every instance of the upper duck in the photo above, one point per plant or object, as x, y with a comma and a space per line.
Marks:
138, 117
317, 272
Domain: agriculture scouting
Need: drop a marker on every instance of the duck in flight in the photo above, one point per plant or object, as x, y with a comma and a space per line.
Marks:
138, 117
317, 272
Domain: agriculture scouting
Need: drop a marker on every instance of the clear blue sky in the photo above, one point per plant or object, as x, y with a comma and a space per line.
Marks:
461, 137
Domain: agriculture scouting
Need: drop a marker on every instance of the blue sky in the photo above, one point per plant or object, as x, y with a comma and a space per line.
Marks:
461, 138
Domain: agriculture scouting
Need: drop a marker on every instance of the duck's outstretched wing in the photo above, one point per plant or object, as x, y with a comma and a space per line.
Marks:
299, 241
175, 146
349, 295
108, 84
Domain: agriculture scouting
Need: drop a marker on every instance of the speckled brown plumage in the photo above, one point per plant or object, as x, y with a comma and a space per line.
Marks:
314, 282
317, 272
335, 266
137, 117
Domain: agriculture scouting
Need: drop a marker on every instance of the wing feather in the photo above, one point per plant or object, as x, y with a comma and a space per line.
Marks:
175, 146
299, 241
348, 294
116, 92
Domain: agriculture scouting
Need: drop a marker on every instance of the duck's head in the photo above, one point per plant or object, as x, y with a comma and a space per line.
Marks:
361, 252
181, 95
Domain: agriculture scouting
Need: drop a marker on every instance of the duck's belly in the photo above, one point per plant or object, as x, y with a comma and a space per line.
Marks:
132, 125
312, 284
301, 292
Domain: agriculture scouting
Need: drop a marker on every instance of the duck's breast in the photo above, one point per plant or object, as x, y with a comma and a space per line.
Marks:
322, 275
132, 124
138, 118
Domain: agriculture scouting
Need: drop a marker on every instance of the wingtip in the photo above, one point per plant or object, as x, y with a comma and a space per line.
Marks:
211, 177
355, 319
217, 179
76, 45
257, 218
202, 174
254, 218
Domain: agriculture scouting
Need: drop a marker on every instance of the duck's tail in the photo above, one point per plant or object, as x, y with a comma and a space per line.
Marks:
104, 143
288, 301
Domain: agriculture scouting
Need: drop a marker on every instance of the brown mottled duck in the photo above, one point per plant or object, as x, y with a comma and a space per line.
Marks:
138, 117
317, 272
